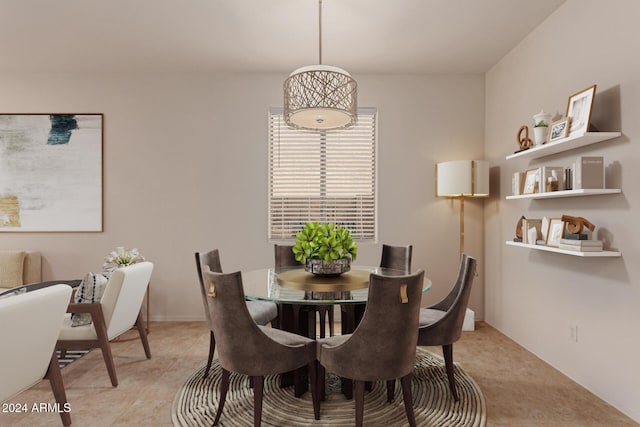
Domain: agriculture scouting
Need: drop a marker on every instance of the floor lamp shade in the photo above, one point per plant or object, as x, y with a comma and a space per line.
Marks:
462, 178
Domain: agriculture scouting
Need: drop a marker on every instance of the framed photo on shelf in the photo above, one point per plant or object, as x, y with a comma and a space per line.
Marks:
579, 110
555, 232
559, 129
531, 181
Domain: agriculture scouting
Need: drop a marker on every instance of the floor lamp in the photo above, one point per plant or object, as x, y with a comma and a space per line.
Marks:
461, 179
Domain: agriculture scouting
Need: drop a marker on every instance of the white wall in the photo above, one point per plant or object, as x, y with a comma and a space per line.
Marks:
537, 297
185, 169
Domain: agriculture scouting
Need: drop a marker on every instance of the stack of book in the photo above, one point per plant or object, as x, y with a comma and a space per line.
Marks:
581, 245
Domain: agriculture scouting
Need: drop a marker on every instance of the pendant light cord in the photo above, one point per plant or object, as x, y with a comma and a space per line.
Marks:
319, 31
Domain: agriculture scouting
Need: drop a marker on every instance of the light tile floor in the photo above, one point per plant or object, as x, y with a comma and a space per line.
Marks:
520, 389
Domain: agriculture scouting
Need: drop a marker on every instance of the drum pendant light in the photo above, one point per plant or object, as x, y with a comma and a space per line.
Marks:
320, 97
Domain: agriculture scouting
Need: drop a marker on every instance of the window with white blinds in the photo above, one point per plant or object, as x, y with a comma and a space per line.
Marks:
324, 176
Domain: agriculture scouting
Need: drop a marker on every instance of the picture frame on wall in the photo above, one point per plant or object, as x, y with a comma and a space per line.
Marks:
531, 181
51, 172
555, 232
579, 109
559, 129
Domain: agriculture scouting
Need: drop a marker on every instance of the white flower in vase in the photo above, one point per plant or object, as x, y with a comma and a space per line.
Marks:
121, 257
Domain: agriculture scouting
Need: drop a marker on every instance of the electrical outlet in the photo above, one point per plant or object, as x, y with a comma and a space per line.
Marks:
574, 333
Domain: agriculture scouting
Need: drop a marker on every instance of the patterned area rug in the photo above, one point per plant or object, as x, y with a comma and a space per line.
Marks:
196, 402
70, 356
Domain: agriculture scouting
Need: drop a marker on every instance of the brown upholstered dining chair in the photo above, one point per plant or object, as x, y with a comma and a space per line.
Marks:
284, 257
395, 257
441, 323
249, 349
262, 312
383, 345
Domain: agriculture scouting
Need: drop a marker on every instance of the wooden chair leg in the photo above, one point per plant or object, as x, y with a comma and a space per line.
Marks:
321, 381
447, 351
391, 388
408, 400
103, 343
57, 386
143, 335
258, 386
224, 387
212, 349
315, 397
359, 391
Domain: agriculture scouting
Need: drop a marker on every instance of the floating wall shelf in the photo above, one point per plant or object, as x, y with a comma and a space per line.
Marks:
564, 144
602, 254
567, 193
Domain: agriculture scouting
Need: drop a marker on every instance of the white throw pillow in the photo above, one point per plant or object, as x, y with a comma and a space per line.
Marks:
89, 291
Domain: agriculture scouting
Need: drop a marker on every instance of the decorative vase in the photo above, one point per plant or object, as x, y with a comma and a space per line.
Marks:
331, 268
541, 133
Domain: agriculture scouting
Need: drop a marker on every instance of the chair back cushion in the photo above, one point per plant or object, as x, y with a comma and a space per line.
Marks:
397, 257
455, 314
123, 296
284, 256
212, 260
242, 345
29, 327
448, 328
383, 346
232, 324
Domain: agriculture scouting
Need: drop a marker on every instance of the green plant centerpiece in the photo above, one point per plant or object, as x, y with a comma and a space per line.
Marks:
325, 249
541, 124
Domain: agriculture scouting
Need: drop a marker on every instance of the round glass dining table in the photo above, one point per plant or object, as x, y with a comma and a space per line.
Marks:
296, 286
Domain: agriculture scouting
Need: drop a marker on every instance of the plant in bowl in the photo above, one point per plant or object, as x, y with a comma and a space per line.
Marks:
325, 248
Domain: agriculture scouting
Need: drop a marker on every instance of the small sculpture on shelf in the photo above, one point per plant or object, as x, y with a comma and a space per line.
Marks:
518, 237
524, 142
576, 225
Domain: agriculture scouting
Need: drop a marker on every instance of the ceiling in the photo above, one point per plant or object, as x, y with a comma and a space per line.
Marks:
362, 36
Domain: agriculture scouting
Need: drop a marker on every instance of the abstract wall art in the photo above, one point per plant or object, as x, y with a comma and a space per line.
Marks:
51, 172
